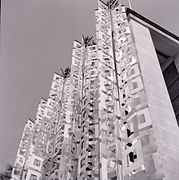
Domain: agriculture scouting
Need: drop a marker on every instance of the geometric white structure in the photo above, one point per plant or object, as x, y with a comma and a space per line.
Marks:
112, 117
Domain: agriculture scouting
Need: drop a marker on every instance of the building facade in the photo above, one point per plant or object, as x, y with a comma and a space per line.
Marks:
111, 117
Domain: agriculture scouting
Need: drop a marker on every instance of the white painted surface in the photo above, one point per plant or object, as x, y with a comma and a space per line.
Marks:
162, 115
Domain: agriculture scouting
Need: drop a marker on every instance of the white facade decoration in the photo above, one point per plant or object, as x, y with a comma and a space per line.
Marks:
104, 120
23, 151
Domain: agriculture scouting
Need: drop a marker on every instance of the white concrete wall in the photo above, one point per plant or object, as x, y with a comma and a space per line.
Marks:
165, 128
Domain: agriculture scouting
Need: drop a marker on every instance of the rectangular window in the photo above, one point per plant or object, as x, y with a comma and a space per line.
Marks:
141, 119
131, 158
82, 163
92, 63
37, 162
135, 85
130, 130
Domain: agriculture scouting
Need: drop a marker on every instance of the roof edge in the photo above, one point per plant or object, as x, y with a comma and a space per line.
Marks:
130, 11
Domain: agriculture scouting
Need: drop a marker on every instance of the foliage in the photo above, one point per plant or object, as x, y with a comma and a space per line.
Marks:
112, 3
88, 40
66, 73
6, 175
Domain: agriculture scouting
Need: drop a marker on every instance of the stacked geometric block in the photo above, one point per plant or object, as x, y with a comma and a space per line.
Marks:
96, 122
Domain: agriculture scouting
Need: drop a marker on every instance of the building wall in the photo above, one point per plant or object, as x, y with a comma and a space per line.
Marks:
164, 124
111, 118
88, 154
23, 151
108, 97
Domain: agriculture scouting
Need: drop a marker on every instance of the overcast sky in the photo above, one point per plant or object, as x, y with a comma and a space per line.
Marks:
36, 41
